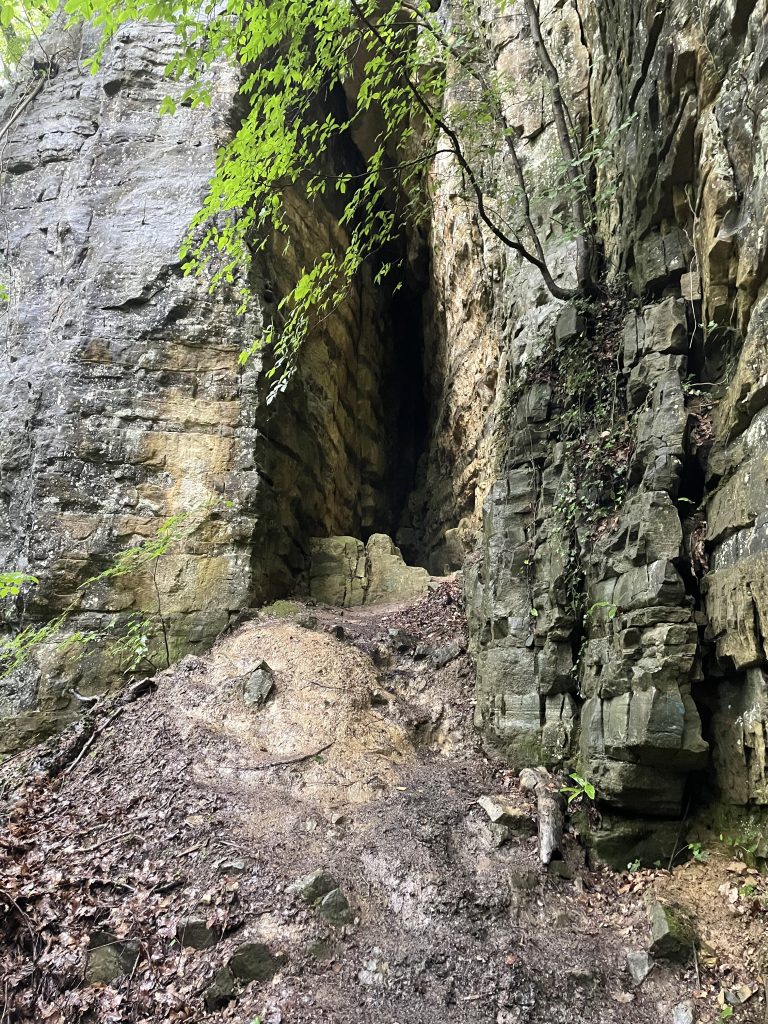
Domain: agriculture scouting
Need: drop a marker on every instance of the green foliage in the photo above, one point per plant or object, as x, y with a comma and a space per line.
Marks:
726, 1013
698, 852
611, 610
21, 22
11, 583
296, 56
315, 74
580, 788
743, 847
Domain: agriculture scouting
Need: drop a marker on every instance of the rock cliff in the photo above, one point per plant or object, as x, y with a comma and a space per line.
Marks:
600, 467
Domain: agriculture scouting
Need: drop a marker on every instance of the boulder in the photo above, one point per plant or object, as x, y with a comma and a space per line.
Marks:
195, 932
254, 961
335, 908
220, 991
315, 886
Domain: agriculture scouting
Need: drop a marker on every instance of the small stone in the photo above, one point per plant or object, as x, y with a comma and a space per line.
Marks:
259, 685
306, 620
254, 961
444, 655
683, 1013
314, 887
233, 867
737, 996
503, 813
672, 936
220, 991
109, 958
374, 973
570, 325
195, 933
639, 965
402, 641
337, 632
421, 651
321, 949
335, 908
524, 879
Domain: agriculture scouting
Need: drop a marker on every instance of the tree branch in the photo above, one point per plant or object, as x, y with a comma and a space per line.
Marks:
442, 124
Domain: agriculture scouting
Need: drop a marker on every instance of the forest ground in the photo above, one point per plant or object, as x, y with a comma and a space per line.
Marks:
187, 816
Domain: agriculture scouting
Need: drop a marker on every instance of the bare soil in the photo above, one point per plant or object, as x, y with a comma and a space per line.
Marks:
362, 762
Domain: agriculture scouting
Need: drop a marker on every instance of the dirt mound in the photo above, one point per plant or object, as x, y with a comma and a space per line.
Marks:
187, 820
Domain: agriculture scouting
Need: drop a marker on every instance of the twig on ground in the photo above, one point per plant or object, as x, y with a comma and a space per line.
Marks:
89, 742
280, 764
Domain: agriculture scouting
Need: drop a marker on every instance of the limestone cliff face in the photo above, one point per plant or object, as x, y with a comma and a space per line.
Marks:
674, 578
122, 401
619, 628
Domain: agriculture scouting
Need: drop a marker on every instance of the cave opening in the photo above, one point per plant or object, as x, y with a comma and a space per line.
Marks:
407, 402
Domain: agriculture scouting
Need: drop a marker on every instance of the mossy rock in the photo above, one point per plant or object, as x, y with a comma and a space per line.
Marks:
282, 609
623, 841
672, 933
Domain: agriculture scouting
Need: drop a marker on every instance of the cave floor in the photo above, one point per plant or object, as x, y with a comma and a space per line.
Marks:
191, 806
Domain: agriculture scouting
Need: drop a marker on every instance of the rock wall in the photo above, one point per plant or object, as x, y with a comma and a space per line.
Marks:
600, 467
122, 401
662, 656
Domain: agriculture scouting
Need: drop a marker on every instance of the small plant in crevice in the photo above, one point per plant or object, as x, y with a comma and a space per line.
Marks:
581, 788
129, 639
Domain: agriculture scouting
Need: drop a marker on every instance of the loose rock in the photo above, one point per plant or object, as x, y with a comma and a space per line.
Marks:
335, 908
109, 958
259, 685
195, 932
672, 935
639, 965
220, 991
254, 961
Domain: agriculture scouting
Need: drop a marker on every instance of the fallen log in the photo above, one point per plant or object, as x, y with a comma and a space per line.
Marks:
551, 811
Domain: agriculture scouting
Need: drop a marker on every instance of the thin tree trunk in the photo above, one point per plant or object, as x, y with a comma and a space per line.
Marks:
584, 247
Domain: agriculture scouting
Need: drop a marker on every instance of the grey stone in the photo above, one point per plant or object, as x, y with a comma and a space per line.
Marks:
639, 965
335, 908
258, 686
444, 655
672, 936
254, 961
195, 932
109, 958
501, 812
683, 1013
402, 640
570, 325
221, 990
315, 886
235, 866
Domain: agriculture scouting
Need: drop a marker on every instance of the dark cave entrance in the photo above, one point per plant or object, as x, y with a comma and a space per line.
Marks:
405, 400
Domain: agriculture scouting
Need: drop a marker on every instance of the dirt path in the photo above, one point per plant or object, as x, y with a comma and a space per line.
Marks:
193, 814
